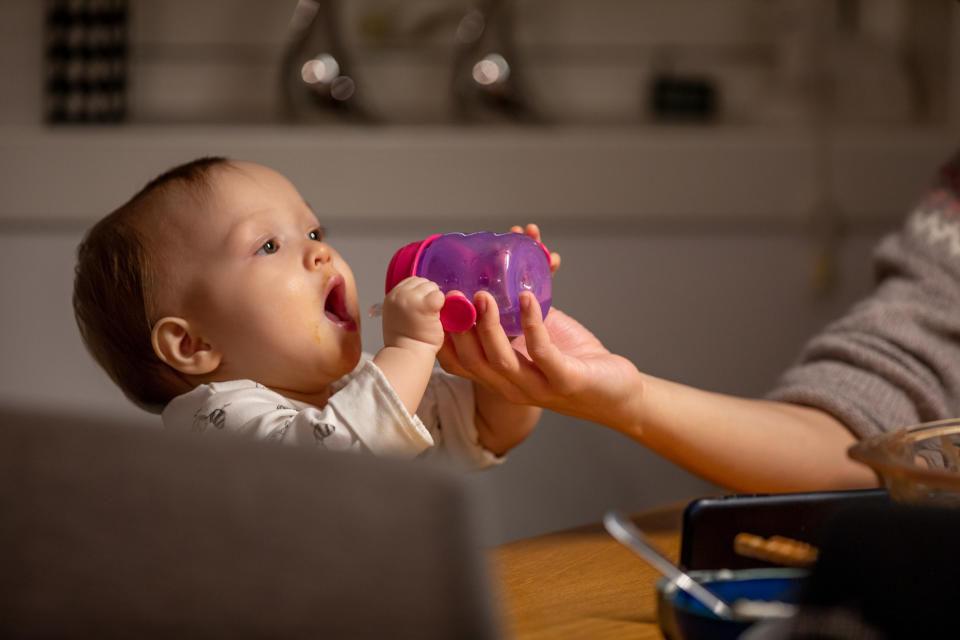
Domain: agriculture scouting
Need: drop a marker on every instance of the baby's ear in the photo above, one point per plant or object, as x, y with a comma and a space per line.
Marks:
176, 344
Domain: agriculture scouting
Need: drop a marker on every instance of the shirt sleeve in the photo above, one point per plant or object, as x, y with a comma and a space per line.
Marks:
448, 410
894, 359
364, 415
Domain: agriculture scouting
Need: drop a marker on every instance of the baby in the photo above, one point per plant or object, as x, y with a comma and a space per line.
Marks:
213, 297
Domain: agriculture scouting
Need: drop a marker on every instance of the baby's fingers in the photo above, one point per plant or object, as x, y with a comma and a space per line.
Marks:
417, 293
428, 292
433, 298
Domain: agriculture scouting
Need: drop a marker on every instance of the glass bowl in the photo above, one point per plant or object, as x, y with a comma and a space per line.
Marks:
917, 464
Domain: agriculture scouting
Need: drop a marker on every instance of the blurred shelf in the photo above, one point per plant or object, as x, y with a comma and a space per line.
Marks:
747, 175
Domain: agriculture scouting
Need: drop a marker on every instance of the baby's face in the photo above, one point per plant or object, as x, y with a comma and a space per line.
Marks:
263, 286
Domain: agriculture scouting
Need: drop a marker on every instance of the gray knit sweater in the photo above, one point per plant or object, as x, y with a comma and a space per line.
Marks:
894, 359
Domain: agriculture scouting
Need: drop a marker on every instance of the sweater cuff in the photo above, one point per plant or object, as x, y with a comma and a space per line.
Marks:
847, 395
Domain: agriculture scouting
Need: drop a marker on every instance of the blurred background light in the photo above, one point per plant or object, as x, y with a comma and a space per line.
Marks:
492, 69
320, 70
342, 88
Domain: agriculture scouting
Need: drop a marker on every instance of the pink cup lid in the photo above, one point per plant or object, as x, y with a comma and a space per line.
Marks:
401, 265
404, 262
458, 313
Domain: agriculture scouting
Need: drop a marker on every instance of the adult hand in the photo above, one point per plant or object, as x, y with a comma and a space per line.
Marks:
556, 364
533, 231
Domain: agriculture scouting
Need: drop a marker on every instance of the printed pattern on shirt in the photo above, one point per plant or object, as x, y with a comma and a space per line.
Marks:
322, 431
363, 415
216, 418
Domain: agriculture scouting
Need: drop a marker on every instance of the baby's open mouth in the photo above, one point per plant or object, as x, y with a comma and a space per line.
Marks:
335, 304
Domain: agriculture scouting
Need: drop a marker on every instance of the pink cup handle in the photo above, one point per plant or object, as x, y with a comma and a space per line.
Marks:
458, 314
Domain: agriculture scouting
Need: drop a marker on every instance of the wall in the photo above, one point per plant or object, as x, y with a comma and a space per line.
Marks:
580, 62
725, 310
688, 250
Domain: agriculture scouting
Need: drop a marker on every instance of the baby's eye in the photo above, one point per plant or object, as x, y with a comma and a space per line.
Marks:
270, 246
316, 234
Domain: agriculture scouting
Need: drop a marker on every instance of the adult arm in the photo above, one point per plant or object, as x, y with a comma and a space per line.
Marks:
744, 444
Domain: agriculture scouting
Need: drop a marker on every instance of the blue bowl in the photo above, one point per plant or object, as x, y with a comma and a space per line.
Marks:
682, 618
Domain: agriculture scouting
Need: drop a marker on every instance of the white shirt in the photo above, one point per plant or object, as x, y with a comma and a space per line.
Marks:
363, 414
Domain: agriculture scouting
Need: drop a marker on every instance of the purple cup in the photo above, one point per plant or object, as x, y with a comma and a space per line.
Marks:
504, 264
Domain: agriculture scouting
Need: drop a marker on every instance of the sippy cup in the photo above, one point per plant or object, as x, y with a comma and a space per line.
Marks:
504, 264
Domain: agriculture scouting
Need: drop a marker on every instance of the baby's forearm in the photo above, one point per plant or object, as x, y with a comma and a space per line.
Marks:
502, 425
407, 366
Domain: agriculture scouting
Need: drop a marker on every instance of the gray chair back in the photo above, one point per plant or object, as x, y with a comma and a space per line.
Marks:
113, 531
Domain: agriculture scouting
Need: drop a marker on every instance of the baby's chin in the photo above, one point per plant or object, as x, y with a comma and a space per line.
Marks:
352, 359
353, 350
330, 372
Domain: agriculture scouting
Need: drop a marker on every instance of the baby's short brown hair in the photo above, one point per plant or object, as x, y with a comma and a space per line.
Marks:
115, 283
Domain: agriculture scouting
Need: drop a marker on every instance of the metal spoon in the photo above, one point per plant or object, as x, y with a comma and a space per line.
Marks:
630, 536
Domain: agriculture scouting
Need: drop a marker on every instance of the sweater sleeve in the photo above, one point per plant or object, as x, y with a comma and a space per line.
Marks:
894, 359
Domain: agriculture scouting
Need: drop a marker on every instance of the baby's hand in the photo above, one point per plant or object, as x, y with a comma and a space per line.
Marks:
533, 231
411, 314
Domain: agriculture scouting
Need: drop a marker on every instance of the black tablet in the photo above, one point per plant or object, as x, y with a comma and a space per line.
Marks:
711, 524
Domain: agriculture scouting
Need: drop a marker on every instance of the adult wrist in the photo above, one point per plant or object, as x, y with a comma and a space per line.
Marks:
629, 412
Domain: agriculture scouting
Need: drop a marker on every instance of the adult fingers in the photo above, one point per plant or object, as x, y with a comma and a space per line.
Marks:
450, 361
540, 348
486, 353
465, 355
500, 355
469, 352
460, 350
533, 231
507, 367
554, 262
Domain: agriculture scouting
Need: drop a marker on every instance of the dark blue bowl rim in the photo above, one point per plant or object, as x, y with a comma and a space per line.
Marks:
666, 587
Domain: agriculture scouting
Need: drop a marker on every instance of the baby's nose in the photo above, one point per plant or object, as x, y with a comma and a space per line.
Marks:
318, 255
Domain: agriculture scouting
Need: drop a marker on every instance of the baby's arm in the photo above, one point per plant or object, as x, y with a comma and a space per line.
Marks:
362, 416
412, 335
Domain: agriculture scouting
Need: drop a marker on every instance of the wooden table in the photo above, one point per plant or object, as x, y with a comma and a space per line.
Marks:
581, 583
